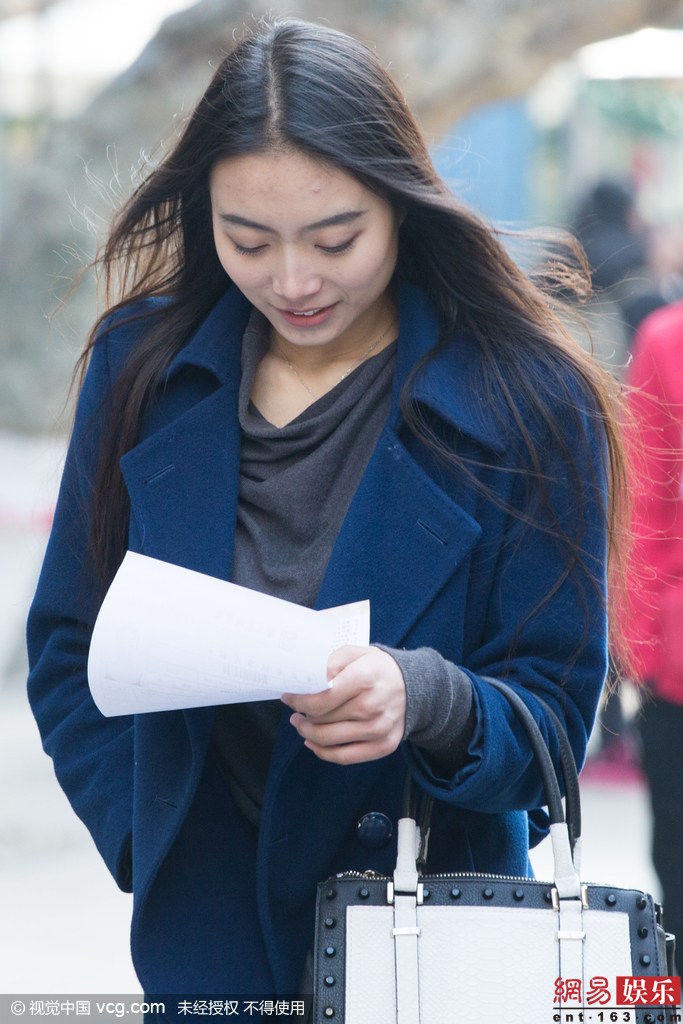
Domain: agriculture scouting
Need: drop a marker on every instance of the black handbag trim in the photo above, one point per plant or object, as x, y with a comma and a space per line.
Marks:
647, 938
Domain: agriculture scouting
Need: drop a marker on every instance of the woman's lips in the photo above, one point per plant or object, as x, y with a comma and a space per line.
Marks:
312, 317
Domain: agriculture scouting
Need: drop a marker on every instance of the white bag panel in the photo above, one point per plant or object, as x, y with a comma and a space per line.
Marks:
491, 963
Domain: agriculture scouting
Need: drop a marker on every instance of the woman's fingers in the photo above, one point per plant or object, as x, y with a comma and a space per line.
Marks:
362, 717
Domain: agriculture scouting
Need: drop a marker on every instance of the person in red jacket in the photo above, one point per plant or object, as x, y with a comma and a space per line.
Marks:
652, 632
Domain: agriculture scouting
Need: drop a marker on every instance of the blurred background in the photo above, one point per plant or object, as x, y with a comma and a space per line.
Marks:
539, 112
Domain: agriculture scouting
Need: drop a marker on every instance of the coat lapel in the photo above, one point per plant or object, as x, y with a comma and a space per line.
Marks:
183, 484
183, 478
402, 539
404, 536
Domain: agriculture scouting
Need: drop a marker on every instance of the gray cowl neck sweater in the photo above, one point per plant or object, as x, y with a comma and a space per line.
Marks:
296, 484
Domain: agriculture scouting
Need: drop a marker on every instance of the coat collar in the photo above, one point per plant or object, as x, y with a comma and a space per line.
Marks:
216, 345
448, 385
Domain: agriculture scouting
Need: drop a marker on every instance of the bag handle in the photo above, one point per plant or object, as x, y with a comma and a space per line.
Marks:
406, 892
418, 805
570, 776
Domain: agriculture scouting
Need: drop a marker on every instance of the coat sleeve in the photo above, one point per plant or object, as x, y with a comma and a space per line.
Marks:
92, 755
544, 626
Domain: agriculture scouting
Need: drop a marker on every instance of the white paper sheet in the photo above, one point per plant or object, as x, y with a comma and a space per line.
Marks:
168, 638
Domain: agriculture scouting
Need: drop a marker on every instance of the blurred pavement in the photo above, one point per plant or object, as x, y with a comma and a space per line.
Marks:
63, 923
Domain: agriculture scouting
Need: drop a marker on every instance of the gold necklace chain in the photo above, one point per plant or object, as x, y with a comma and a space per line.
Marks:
344, 375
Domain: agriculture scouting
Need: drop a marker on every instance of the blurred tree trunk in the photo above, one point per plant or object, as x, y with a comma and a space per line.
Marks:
447, 55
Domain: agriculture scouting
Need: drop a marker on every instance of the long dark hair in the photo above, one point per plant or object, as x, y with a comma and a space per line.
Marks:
298, 85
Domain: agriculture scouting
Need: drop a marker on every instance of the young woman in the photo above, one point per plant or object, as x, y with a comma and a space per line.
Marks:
325, 379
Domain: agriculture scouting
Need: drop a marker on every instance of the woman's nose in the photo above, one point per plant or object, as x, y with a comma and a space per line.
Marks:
294, 278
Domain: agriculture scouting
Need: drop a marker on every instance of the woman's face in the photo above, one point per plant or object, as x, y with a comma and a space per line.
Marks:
308, 245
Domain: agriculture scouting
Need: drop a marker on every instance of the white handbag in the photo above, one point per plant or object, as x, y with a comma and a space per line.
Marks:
441, 949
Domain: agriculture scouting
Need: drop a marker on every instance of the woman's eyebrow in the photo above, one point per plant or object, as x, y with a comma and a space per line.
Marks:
327, 222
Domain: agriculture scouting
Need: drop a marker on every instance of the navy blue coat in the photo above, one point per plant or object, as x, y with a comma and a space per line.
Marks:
218, 908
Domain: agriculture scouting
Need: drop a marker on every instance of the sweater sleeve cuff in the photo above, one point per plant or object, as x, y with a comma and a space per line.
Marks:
440, 708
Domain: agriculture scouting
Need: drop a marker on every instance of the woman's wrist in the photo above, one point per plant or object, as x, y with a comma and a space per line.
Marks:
440, 706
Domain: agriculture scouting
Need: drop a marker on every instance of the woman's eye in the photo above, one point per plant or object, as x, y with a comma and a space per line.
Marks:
245, 250
336, 250
330, 250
